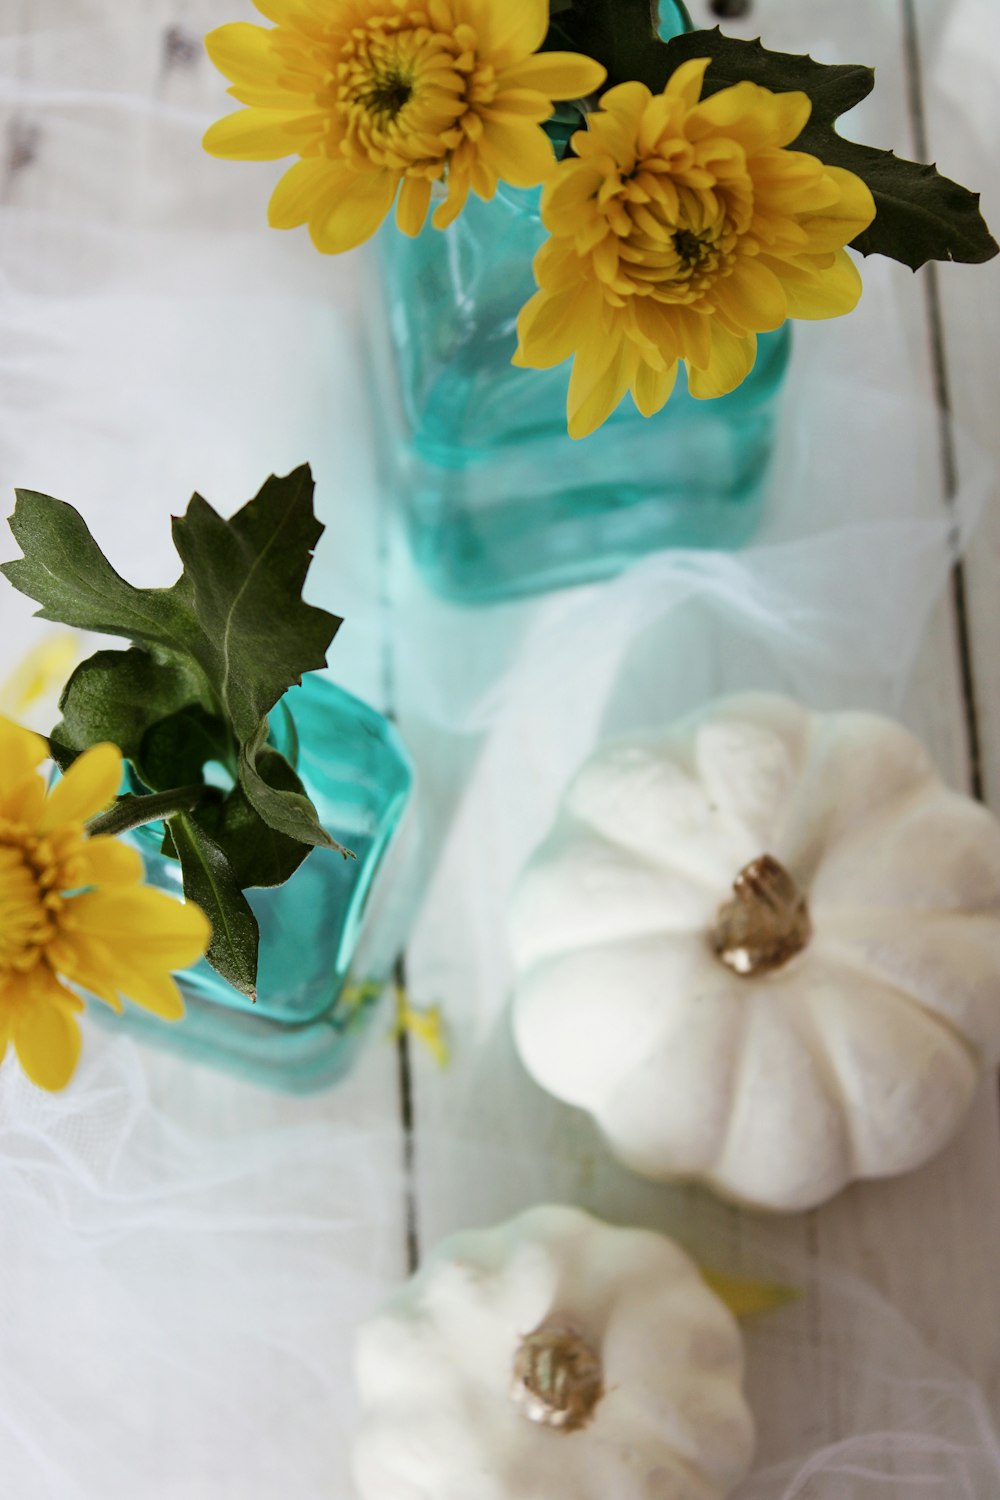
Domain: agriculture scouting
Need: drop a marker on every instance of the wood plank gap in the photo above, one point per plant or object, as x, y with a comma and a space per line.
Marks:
946, 429
404, 1056
405, 1074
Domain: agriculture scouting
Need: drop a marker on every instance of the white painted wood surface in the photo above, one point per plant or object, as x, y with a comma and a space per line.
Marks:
929, 1242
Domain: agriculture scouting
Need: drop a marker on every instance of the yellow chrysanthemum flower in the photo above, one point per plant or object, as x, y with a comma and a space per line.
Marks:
380, 95
73, 911
681, 230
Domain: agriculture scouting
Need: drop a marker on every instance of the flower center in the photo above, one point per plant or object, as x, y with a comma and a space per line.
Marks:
691, 247
30, 901
388, 94
398, 93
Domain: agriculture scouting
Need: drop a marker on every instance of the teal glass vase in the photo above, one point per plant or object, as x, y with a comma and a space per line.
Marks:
499, 501
329, 935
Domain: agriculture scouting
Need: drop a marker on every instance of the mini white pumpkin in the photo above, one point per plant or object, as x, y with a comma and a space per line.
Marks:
826, 1022
552, 1356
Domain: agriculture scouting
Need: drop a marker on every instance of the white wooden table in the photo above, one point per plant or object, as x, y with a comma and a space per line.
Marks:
929, 1242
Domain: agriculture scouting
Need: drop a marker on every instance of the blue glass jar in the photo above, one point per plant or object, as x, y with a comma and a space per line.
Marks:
499, 500
328, 934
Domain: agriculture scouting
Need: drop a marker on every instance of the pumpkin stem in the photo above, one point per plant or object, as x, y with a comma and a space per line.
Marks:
558, 1379
767, 922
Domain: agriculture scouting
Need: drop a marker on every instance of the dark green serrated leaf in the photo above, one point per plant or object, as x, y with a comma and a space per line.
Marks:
258, 854
209, 881
118, 696
243, 578
65, 571
178, 746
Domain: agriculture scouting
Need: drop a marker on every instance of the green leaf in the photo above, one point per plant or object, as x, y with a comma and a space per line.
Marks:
258, 854
65, 571
243, 580
216, 652
209, 881
282, 808
178, 746
118, 696
621, 34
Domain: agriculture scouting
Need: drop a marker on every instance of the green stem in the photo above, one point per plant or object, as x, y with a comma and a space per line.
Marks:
132, 812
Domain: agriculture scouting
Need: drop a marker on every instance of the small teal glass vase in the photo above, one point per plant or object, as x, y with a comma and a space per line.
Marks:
329, 935
499, 500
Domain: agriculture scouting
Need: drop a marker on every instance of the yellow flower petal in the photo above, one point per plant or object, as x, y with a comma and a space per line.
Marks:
556, 75
351, 210
107, 861
45, 1032
520, 154
143, 926
731, 362
259, 134
752, 297
414, 201
513, 29
244, 53
684, 84
829, 294
88, 787
651, 388
298, 191
597, 386
841, 222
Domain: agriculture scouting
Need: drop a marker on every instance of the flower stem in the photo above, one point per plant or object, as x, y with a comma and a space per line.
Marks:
132, 812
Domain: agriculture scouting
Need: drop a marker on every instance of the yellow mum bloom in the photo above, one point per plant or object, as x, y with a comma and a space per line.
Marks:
681, 230
73, 911
380, 95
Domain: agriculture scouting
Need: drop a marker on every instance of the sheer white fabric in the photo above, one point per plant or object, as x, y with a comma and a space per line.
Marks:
184, 1257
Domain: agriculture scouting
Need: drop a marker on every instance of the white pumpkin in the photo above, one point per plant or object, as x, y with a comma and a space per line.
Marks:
763, 950
552, 1357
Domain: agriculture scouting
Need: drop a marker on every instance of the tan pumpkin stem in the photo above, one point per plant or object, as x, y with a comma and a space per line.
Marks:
767, 922
558, 1379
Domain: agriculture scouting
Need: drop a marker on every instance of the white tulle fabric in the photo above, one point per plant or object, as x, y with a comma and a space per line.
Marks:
183, 1257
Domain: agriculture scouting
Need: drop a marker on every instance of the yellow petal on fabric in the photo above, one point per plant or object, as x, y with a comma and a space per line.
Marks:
295, 196
651, 389
21, 751
746, 1299
557, 75
107, 861
511, 30
351, 210
44, 668
244, 53
832, 293
45, 1032
256, 134
731, 362
88, 787
520, 154
412, 205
